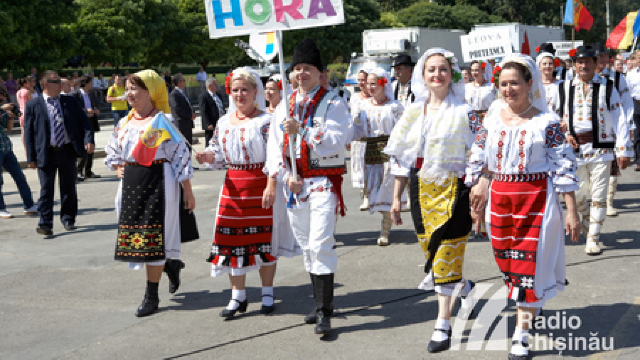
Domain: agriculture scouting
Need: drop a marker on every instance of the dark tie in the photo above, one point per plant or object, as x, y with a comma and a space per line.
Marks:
58, 126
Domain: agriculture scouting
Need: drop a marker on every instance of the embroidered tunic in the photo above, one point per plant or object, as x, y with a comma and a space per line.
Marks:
326, 141
375, 121
524, 219
480, 97
553, 100
612, 124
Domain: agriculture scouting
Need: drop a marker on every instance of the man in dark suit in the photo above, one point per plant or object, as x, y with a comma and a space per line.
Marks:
87, 99
57, 132
181, 109
211, 109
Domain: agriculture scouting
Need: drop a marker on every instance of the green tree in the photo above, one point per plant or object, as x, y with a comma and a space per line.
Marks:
428, 14
33, 35
390, 19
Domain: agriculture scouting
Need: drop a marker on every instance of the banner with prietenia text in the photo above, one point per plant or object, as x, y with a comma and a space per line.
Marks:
485, 44
241, 17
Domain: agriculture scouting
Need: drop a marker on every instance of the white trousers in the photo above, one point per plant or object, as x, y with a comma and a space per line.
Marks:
594, 183
313, 227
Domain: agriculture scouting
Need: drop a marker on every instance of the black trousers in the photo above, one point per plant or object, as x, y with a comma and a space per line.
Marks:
85, 165
186, 128
64, 163
636, 138
208, 134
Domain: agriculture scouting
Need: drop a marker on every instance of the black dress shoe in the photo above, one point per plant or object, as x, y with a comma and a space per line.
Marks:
69, 226
80, 177
228, 314
323, 323
172, 267
44, 230
438, 346
267, 309
91, 175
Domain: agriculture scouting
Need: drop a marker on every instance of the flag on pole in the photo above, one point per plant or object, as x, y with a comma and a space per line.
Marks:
158, 131
576, 14
622, 35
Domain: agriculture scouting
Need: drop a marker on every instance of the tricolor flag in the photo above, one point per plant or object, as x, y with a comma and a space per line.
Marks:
157, 132
622, 35
577, 15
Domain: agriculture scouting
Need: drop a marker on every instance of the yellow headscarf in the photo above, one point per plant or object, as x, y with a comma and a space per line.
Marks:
157, 89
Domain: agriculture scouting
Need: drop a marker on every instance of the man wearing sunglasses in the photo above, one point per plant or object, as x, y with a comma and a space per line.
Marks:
57, 131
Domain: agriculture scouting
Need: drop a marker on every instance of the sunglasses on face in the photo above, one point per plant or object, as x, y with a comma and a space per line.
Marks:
57, 81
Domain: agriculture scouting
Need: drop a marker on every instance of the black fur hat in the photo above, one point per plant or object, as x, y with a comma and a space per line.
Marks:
307, 52
547, 47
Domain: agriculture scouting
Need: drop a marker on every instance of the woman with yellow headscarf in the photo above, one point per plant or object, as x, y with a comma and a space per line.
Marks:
148, 197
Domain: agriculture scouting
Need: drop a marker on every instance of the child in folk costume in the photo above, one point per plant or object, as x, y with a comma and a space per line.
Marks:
373, 124
429, 147
317, 127
251, 229
358, 148
522, 146
148, 198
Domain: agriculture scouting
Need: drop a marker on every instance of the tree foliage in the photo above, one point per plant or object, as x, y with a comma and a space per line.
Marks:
434, 15
33, 33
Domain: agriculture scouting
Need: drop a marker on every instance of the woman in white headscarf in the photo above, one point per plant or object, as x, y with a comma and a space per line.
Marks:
372, 125
480, 93
429, 146
273, 92
249, 234
525, 151
546, 64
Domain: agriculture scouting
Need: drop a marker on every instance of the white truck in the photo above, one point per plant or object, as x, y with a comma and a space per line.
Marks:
381, 46
524, 38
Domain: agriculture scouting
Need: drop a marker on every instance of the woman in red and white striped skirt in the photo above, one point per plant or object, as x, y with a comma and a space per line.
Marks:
523, 148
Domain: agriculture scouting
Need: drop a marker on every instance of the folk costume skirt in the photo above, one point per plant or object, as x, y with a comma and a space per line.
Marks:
148, 223
527, 234
380, 181
443, 223
242, 236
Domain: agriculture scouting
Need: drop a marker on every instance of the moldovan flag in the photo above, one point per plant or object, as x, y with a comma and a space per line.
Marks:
622, 35
157, 132
577, 15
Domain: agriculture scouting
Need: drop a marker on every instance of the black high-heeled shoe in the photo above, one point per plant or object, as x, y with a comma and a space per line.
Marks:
228, 314
267, 309
172, 267
437, 346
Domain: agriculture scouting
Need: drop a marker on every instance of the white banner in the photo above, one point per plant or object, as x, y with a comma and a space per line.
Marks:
563, 47
241, 17
485, 44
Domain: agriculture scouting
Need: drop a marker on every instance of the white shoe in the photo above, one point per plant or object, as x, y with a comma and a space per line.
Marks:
611, 211
383, 241
4, 214
365, 204
31, 211
592, 248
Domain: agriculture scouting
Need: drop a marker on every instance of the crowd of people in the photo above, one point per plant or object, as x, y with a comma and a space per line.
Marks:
493, 146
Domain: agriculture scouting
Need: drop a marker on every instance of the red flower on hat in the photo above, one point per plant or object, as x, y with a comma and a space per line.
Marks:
382, 81
572, 52
279, 84
538, 49
227, 83
556, 62
496, 75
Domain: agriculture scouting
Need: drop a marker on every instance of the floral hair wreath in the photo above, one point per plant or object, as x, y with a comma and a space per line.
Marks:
382, 81
279, 83
496, 76
482, 64
227, 83
456, 74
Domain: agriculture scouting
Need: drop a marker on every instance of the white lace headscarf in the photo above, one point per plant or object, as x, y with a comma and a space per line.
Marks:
542, 56
537, 95
277, 79
381, 73
261, 101
420, 89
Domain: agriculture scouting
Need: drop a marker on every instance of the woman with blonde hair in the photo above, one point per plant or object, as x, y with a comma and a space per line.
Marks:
251, 228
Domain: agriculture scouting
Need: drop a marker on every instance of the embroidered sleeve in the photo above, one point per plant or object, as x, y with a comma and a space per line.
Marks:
398, 169
477, 160
332, 138
216, 146
179, 156
562, 159
623, 146
113, 150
